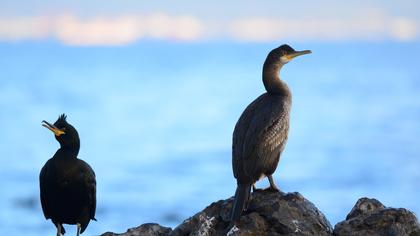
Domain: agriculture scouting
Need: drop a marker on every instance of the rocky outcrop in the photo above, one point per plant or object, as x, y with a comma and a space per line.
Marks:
370, 218
274, 213
150, 229
269, 213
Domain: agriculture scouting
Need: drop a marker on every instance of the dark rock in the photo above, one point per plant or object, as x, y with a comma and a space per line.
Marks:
274, 213
150, 229
269, 213
370, 218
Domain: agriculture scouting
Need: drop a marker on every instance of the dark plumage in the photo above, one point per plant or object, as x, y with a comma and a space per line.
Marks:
261, 132
67, 184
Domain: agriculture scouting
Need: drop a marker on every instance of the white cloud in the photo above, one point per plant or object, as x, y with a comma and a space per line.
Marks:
98, 31
73, 30
161, 26
404, 29
372, 24
126, 29
13, 29
264, 29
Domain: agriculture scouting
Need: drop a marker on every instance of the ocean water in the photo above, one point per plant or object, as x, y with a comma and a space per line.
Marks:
156, 119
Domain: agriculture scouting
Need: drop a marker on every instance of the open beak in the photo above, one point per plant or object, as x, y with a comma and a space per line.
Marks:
298, 53
55, 130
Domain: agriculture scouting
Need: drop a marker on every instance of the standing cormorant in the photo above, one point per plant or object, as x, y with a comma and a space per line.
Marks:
67, 184
261, 132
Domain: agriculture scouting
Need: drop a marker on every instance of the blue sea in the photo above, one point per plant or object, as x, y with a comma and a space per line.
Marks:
156, 118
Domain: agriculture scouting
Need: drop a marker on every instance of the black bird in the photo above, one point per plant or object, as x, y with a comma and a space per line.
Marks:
67, 184
261, 132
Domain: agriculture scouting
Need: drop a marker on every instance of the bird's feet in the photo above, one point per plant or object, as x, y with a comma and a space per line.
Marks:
273, 187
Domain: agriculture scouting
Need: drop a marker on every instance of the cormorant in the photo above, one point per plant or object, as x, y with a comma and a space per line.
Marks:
261, 132
67, 184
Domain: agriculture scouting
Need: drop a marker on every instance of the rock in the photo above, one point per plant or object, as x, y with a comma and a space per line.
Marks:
275, 213
269, 213
369, 217
149, 229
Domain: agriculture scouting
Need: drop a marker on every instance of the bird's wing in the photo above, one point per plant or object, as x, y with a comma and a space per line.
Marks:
89, 180
266, 133
238, 138
275, 133
43, 190
92, 196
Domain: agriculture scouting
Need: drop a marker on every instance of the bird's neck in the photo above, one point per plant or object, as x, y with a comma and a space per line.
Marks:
271, 79
69, 151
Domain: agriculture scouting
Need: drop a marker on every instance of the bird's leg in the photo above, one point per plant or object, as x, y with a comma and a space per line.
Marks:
78, 229
58, 225
273, 186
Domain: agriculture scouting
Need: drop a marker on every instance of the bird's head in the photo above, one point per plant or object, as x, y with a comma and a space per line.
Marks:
284, 54
64, 132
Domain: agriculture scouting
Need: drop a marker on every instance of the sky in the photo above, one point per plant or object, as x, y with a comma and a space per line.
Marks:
114, 23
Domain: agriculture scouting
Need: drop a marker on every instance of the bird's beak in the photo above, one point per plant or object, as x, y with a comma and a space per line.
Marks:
57, 132
298, 53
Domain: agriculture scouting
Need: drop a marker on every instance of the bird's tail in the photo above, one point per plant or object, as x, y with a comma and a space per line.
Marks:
241, 196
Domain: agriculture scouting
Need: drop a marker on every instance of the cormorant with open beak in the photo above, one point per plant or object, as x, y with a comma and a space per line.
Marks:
67, 184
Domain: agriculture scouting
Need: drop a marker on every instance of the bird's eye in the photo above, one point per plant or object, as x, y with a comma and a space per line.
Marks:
63, 128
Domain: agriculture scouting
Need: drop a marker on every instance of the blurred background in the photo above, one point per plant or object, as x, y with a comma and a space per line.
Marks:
155, 89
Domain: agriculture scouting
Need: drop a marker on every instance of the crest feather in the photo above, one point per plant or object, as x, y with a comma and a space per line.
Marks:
62, 118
